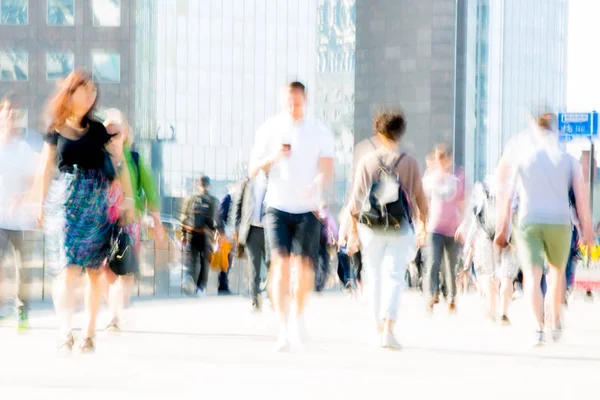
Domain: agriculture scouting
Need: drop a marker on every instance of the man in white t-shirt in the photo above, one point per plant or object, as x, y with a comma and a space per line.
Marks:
297, 155
17, 170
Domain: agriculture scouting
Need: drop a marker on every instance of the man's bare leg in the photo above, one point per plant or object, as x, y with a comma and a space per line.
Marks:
305, 282
280, 289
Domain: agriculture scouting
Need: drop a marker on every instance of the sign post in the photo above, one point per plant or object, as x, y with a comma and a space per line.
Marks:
582, 125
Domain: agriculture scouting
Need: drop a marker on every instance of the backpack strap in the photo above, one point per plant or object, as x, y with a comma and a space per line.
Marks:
398, 161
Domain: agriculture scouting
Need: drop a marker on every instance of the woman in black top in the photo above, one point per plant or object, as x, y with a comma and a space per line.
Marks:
75, 204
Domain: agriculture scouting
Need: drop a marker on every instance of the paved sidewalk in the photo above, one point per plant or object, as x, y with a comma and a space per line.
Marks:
214, 348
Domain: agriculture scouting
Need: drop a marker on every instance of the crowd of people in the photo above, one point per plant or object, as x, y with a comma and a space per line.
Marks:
92, 190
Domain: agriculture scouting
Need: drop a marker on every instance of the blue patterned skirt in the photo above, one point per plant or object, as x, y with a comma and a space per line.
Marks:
76, 224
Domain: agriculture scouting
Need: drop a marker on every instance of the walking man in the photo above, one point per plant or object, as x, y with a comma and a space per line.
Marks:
297, 154
249, 231
198, 225
17, 171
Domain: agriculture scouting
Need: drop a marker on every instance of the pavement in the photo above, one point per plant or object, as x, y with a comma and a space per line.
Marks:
215, 348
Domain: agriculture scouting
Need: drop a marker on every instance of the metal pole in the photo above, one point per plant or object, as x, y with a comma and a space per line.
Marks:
592, 173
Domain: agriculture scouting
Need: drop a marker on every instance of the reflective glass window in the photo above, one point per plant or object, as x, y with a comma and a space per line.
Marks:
14, 12
107, 12
13, 65
106, 67
59, 65
61, 12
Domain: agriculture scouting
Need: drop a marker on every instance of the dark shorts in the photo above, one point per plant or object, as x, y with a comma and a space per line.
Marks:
296, 234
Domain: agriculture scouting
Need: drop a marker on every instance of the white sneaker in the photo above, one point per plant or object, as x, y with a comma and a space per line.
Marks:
200, 293
283, 342
299, 333
388, 341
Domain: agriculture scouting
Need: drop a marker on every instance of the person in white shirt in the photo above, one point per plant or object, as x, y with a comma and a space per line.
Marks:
17, 171
297, 155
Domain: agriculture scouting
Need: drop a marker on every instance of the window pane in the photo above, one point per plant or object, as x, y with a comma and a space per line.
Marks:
106, 67
61, 12
59, 65
13, 65
107, 12
13, 12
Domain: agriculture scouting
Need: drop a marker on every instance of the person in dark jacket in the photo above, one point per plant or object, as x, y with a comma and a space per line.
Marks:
249, 232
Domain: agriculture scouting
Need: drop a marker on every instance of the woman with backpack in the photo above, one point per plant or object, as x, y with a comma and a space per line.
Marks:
121, 272
387, 183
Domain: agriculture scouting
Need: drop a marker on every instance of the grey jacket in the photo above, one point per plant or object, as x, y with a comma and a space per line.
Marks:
243, 210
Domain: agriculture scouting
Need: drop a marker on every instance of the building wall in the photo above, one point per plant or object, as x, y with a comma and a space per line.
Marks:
527, 66
406, 56
76, 42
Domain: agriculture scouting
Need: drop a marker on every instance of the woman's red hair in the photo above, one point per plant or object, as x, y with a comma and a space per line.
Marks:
58, 107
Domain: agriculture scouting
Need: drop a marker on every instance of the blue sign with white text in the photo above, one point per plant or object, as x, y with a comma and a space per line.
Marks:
578, 124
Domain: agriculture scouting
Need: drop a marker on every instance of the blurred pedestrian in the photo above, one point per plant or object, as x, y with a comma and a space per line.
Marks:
541, 173
297, 154
121, 273
387, 184
75, 211
17, 171
198, 225
249, 211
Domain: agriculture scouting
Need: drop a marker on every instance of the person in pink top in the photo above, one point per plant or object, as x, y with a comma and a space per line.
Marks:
445, 190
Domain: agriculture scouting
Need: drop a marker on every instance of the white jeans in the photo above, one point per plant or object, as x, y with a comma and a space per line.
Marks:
385, 257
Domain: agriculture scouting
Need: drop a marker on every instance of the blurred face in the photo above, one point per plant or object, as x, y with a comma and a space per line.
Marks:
8, 117
83, 99
443, 161
295, 99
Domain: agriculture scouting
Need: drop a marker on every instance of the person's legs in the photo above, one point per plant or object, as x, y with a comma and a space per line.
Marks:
190, 263
557, 241
17, 239
201, 247
435, 247
255, 248
396, 256
63, 296
451, 250
93, 299
372, 253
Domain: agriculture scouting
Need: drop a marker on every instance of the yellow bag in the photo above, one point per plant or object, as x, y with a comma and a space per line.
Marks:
219, 261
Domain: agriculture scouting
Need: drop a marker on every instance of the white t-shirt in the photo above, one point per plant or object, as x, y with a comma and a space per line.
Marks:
291, 180
542, 174
18, 162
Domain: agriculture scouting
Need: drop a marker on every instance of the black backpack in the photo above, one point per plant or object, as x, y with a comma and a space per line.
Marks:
485, 213
381, 214
201, 212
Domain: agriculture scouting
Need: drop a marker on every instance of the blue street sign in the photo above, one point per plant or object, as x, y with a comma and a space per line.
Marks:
578, 124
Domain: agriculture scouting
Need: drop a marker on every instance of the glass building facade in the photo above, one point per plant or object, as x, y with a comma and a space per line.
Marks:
526, 66
219, 68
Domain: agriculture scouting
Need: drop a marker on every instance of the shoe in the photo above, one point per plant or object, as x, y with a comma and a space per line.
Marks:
388, 341
299, 334
283, 342
113, 325
503, 320
430, 306
87, 346
66, 345
540, 339
22, 320
452, 306
557, 335
256, 305
200, 293
189, 286
224, 292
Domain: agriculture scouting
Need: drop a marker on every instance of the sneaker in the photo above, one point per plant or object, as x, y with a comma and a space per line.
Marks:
283, 342
389, 341
299, 334
557, 335
504, 320
22, 320
540, 339
200, 293
113, 325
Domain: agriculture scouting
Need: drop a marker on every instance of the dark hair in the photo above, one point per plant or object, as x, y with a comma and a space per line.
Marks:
297, 86
390, 123
547, 121
12, 99
58, 108
205, 182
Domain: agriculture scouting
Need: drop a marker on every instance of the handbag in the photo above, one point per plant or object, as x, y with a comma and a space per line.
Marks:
122, 259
